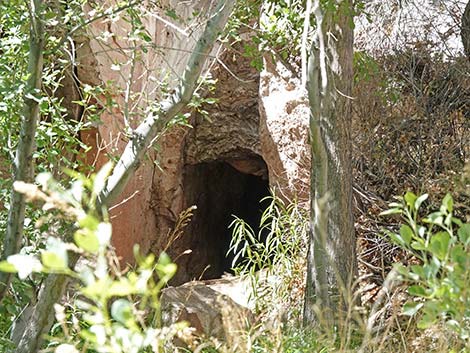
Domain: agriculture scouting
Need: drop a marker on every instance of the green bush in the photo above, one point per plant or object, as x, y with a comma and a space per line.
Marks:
439, 281
113, 311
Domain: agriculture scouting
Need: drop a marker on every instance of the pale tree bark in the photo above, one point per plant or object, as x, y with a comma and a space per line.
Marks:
23, 163
331, 257
52, 289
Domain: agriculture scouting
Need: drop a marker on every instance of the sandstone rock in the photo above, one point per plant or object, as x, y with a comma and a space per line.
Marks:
284, 118
255, 137
215, 309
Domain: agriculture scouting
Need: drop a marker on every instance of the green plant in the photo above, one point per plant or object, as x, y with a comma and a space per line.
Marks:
278, 250
117, 311
439, 280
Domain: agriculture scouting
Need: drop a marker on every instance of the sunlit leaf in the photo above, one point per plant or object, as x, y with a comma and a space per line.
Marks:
66, 348
5, 266
420, 200
104, 233
448, 203
406, 234
25, 264
99, 181
439, 244
87, 240
411, 308
391, 211
121, 311
410, 199
53, 260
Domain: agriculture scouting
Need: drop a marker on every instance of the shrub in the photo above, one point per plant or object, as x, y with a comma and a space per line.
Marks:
114, 311
439, 279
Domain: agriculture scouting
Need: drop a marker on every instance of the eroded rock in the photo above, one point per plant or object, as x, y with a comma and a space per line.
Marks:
217, 309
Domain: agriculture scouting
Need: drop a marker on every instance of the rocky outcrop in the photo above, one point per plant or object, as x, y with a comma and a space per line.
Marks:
252, 138
284, 118
217, 309
104, 56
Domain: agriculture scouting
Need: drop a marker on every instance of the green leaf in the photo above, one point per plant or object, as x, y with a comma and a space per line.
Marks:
419, 271
417, 291
439, 244
410, 199
420, 200
464, 233
418, 245
5, 266
164, 259
432, 268
411, 308
396, 238
460, 256
426, 321
406, 234
53, 261
87, 240
402, 270
435, 218
121, 311
447, 203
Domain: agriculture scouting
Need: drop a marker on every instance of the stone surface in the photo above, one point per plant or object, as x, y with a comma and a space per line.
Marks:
218, 309
284, 118
254, 137
103, 57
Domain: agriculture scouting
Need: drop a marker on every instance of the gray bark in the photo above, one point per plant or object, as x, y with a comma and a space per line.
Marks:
54, 286
465, 30
23, 163
40, 317
331, 257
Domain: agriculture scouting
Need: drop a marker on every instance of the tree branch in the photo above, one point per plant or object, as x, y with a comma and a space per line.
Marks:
23, 163
145, 133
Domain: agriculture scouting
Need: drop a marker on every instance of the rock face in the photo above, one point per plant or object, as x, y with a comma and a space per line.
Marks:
216, 309
253, 139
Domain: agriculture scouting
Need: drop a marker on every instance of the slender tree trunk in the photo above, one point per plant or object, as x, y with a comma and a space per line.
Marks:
465, 30
331, 258
23, 163
52, 289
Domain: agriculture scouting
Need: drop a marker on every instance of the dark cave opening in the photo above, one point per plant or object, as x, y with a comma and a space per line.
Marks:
220, 190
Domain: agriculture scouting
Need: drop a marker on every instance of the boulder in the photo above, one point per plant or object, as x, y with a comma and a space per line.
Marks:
216, 309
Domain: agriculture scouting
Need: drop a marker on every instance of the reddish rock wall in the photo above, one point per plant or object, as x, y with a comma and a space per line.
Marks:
257, 128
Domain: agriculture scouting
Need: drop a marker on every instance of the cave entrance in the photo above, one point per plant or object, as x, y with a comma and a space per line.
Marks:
221, 189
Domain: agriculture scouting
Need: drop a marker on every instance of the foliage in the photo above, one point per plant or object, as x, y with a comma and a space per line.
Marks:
57, 131
114, 311
278, 29
439, 280
273, 259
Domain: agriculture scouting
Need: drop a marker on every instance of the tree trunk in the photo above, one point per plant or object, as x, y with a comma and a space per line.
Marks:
331, 257
53, 287
23, 163
465, 30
